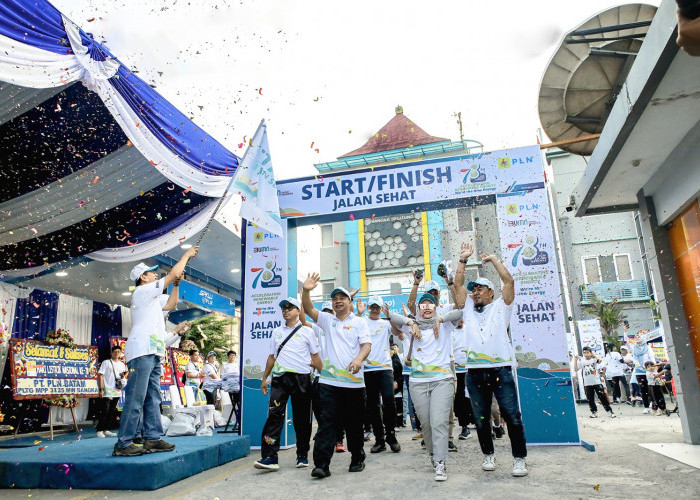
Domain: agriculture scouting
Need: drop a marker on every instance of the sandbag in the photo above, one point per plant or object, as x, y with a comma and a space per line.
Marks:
165, 422
219, 419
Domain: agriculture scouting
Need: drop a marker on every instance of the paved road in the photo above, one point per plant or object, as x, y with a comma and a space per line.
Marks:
618, 468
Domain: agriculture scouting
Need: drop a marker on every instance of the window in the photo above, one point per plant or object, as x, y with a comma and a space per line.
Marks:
607, 268
326, 235
328, 287
464, 219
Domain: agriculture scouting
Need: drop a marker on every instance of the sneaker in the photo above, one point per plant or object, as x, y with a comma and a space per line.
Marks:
646, 411
157, 446
110, 434
139, 441
519, 467
302, 462
320, 473
269, 463
130, 451
395, 447
594, 415
339, 447
418, 436
654, 413
378, 448
422, 443
489, 463
440, 471
356, 466
100, 434
498, 431
616, 402
451, 446
465, 434
368, 435
612, 415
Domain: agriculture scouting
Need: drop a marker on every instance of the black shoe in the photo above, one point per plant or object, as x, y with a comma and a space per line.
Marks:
356, 466
465, 434
130, 451
395, 447
157, 446
498, 432
139, 441
320, 472
451, 446
422, 443
377, 448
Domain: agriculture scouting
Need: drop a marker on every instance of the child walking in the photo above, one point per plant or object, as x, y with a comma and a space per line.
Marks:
654, 380
592, 383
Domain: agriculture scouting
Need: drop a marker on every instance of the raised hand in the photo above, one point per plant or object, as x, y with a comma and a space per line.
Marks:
417, 275
466, 250
361, 307
415, 331
311, 281
385, 310
406, 312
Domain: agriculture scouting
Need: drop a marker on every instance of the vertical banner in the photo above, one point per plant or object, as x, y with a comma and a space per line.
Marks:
537, 325
265, 268
591, 335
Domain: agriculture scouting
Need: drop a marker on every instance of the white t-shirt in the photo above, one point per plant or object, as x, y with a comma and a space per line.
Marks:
432, 357
589, 370
147, 335
108, 377
380, 356
193, 368
209, 383
341, 341
231, 377
459, 347
613, 365
625, 366
488, 344
295, 356
651, 379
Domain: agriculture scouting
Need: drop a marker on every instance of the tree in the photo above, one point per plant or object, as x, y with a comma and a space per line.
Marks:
212, 333
610, 316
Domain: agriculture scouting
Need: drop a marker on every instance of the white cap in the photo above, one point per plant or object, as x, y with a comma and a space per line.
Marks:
431, 285
292, 301
375, 301
139, 269
342, 290
480, 281
327, 305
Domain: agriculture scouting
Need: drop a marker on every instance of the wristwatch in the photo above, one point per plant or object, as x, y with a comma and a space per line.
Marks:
463, 261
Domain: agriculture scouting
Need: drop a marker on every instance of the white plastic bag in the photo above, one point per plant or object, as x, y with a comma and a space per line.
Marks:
184, 423
165, 422
205, 430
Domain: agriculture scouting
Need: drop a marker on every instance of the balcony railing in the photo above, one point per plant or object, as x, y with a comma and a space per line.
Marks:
622, 291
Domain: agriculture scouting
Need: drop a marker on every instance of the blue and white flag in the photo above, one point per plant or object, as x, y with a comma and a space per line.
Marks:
255, 182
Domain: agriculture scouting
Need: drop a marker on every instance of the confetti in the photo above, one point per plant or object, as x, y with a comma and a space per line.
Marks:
97, 178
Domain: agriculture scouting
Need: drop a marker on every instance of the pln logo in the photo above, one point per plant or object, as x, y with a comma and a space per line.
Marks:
530, 252
267, 276
473, 174
259, 236
512, 208
504, 162
507, 162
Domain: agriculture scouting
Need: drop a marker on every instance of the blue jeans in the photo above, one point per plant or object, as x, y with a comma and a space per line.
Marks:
483, 384
142, 401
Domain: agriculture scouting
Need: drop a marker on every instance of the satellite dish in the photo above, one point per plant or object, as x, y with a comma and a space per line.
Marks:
585, 75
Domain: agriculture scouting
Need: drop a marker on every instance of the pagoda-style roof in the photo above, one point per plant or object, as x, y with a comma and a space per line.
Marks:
400, 132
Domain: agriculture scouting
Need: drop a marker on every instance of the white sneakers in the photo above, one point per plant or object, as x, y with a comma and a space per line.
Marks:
440, 471
646, 411
100, 434
110, 434
519, 467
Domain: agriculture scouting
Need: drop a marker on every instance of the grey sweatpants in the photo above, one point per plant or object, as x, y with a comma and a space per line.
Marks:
433, 403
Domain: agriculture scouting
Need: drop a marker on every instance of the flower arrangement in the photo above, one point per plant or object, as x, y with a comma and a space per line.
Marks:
60, 337
187, 345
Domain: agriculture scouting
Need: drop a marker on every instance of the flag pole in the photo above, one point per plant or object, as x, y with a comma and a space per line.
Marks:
223, 197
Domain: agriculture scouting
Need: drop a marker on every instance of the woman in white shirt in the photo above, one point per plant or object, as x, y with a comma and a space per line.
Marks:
231, 383
212, 380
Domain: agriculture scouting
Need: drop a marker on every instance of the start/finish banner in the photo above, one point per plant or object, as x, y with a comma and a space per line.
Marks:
265, 268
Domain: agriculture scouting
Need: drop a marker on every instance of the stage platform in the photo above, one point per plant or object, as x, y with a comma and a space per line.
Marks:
86, 462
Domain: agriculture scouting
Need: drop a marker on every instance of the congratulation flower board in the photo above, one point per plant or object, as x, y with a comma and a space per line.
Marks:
41, 370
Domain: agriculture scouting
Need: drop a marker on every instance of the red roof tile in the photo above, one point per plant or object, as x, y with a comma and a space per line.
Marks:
399, 132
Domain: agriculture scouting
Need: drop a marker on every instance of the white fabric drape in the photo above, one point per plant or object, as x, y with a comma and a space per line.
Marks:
27, 66
75, 316
170, 240
126, 321
121, 176
62, 415
15, 100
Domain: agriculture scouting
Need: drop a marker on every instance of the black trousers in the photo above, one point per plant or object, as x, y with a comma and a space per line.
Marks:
591, 391
211, 396
657, 397
644, 388
236, 403
615, 383
108, 414
344, 405
298, 386
462, 404
381, 382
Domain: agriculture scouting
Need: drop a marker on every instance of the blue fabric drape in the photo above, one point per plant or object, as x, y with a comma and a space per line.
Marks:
105, 324
36, 23
35, 316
